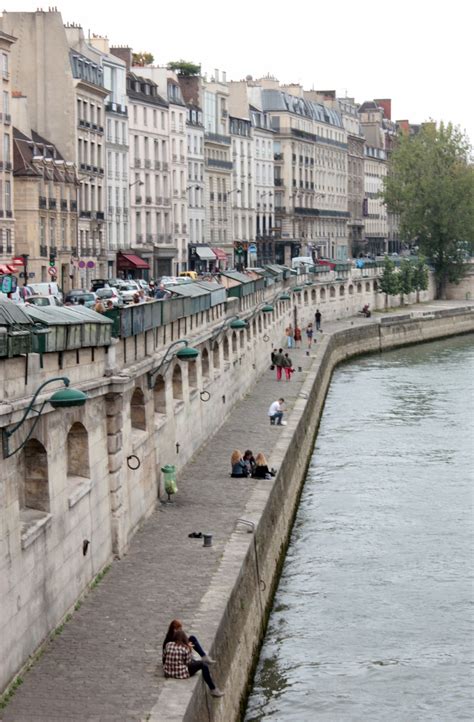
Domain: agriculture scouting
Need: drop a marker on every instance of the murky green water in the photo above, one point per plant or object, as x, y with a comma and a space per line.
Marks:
373, 618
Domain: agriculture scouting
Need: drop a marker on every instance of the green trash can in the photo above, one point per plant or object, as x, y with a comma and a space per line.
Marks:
40, 338
169, 478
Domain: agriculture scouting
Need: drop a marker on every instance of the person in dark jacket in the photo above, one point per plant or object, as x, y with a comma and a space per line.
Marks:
238, 465
288, 366
261, 470
279, 363
249, 461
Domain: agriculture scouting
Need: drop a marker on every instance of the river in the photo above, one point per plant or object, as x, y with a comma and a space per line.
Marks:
373, 616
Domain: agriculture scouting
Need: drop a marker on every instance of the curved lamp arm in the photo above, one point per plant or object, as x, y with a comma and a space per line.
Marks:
153, 374
7, 433
223, 326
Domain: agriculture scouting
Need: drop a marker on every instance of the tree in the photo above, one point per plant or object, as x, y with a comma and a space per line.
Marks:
388, 283
430, 184
184, 68
420, 277
405, 279
143, 58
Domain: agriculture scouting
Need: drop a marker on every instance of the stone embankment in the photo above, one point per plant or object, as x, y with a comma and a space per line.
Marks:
105, 665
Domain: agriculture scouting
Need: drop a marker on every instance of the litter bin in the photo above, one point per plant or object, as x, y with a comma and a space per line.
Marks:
169, 479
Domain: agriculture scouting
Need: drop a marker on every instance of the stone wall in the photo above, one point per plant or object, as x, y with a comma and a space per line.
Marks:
240, 594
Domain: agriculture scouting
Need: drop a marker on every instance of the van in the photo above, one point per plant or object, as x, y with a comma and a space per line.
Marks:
189, 274
50, 288
302, 262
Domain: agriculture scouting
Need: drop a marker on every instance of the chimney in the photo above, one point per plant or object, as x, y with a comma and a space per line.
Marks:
124, 53
216, 75
386, 104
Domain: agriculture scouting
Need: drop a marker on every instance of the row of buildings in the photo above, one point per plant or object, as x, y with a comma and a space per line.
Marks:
108, 168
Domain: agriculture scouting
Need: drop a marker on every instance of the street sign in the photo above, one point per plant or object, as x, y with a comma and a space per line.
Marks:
17, 261
52, 271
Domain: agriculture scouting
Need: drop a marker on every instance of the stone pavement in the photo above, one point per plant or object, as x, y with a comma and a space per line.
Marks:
106, 664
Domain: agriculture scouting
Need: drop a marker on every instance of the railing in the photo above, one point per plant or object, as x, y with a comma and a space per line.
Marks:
73, 205
85, 214
217, 138
63, 205
44, 251
52, 203
278, 182
42, 202
216, 163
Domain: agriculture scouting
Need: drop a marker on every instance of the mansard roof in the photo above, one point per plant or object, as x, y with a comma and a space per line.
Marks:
280, 100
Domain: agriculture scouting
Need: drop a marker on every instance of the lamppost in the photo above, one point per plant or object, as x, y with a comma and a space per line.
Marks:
61, 399
188, 353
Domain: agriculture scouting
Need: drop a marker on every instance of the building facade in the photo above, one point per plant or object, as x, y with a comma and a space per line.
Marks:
242, 194
7, 221
195, 188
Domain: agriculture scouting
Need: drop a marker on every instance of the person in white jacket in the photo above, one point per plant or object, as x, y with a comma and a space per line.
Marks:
275, 412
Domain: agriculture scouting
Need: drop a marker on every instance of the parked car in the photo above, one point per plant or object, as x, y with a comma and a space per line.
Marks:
74, 296
189, 274
49, 288
110, 294
97, 283
44, 301
128, 290
174, 280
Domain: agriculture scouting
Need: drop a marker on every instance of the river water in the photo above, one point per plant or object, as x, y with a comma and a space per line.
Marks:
373, 616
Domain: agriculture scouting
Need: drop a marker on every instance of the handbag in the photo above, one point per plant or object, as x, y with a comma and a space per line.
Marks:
272, 367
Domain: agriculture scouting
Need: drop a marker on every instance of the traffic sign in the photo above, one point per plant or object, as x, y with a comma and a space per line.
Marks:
52, 271
18, 261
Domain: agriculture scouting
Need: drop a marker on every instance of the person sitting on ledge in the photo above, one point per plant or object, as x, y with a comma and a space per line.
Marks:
249, 461
261, 470
238, 465
179, 663
175, 626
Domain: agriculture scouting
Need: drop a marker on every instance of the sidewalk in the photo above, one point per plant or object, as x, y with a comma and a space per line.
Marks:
106, 664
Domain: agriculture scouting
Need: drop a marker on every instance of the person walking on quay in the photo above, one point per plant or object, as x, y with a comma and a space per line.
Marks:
288, 366
279, 363
309, 334
289, 335
317, 319
179, 663
275, 412
297, 337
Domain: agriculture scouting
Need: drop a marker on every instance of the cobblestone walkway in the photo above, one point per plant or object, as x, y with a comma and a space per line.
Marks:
106, 663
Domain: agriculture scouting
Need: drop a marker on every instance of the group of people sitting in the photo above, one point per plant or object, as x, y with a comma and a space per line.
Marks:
245, 465
178, 660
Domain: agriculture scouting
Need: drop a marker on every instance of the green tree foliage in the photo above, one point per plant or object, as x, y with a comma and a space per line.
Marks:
142, 58
420, 277
184, 67
405, 278
430, 185
388, 283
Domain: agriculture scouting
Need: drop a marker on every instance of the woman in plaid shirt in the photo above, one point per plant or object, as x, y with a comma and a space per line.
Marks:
178, 662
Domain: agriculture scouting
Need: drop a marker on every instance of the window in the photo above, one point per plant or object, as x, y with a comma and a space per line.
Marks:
8, 196
6, 147
5, 65
34, 482
137, 410
6, 101
159, 395
77, 452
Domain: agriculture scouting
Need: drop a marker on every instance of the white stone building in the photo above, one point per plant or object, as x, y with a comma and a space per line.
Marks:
7, 222
242, 193
195, 181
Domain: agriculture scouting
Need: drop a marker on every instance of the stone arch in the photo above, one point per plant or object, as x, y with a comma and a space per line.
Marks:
77, 445
375, 285
177, 382
226, 348
260, 324
216, 359
305, 298
234, 343
322, 294
248, 333
313, 295
137, 410
159, 395
367, 286
342, 290
254, 327
242, 338
359, 288
34, 486
351, 290
192, 374
205, 363
332, 292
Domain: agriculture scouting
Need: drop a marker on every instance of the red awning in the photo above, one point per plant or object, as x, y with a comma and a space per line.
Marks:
220, 254
7, 269
128, 260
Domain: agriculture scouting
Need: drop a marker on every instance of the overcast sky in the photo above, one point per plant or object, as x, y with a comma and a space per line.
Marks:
415, 52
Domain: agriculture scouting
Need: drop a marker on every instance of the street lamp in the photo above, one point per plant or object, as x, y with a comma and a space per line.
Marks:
188, 353
61, 399
140, 183
234, 322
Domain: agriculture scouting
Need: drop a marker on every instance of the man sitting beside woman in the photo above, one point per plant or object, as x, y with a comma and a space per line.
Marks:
246, 465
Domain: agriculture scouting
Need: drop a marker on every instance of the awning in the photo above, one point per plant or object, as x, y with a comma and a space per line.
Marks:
205, 253
220, 254
128, 260
12, 269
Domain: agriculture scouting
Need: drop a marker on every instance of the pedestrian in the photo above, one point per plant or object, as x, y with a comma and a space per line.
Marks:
288, 366
289, 336
279, 363
317, 319
110, 306
239, 468
309, 334
261, 470
249, 460
272, 359
99, 306
275, 412
297, 337
176, 625
179, 663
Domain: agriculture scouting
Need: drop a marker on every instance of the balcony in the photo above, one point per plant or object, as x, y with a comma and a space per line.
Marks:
137, 163
138, 200
157, 165
164, 165
222, 164
149, 238
279, 182
52, 204
148, 200
147, 163
9, 214
73, 205
182, 158
175, 157
63, 204
139, 237
100, 215
44, 251
74, 251
166, 201
159, 200
278, 156
8, 165
42, 202
85, 214
7, 119
217, 138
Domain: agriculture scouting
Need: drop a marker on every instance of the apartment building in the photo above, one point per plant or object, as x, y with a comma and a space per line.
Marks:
7, 221
195, 187
242, 194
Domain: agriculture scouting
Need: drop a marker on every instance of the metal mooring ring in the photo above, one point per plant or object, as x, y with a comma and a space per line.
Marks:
204, 396
266, 338
262, 585
137, 465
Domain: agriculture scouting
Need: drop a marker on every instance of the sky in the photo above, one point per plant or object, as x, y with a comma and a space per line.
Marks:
415, 52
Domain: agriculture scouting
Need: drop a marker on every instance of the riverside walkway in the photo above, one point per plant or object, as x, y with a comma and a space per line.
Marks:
105, 666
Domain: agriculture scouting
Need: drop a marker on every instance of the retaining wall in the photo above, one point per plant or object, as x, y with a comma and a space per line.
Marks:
235, 608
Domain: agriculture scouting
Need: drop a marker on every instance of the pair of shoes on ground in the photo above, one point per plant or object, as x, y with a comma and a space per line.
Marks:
216, 692
195, 535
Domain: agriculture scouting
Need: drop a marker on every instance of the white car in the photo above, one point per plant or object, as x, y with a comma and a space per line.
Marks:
44, 301
127, 290
110, 294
